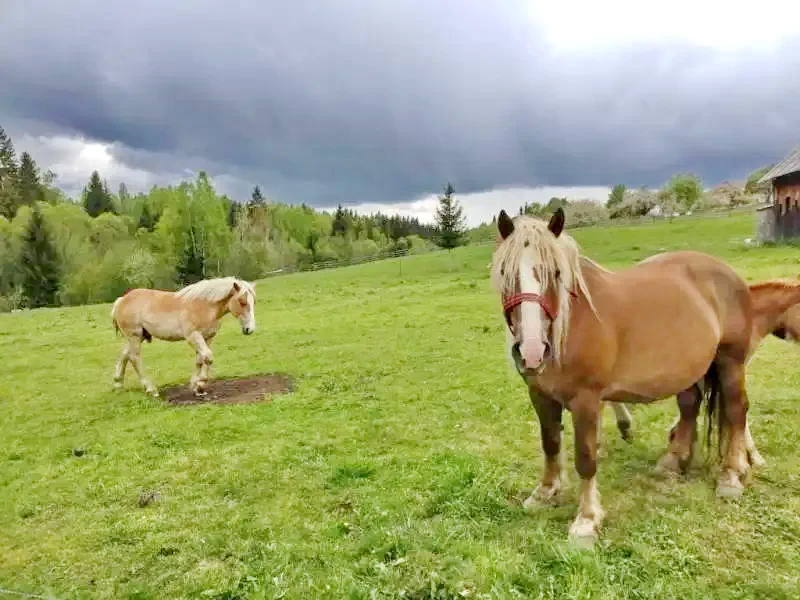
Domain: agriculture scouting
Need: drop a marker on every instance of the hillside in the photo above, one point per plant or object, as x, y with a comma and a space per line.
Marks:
395, 469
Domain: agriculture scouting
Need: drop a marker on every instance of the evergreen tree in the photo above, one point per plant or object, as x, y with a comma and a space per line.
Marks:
97, 199
30, 186
339, 222
192, 266
39, 263
9, 185
450, 220
257, 198
146, 219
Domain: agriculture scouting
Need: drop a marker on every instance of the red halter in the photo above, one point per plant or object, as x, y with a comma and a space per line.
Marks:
511, 302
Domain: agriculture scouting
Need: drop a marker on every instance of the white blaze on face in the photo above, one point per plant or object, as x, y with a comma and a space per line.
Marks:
248, 318
532, 326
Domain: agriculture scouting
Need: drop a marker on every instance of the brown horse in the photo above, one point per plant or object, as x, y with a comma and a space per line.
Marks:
193, 313
770, 317
581, 335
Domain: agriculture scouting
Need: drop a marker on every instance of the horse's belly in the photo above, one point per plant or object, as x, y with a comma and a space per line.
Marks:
165, 327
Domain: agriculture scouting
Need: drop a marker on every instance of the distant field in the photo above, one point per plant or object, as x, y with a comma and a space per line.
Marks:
396, 468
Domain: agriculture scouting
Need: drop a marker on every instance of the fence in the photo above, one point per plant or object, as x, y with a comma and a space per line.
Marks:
622, 222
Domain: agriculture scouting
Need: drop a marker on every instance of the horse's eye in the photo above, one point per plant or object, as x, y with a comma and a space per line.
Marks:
502, 271
558, 273
243, 301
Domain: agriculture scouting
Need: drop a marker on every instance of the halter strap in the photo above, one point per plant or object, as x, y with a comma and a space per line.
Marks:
511, 302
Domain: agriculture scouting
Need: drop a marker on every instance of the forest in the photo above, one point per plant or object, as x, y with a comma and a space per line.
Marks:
56, 250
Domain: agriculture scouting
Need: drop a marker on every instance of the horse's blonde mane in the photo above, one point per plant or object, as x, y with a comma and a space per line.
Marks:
551, 256
213, 290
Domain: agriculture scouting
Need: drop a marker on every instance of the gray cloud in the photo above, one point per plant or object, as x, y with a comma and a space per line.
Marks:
330, 101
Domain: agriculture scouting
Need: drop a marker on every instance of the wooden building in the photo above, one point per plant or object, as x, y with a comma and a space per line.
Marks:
780, 219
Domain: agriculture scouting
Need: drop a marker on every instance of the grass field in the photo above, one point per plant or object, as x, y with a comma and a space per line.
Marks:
395, 469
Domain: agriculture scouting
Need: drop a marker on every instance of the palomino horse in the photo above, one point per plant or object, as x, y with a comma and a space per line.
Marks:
581, 335
193, 313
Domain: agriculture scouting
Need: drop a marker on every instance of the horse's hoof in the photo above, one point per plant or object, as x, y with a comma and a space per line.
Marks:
756, 460
729, 487
117, 385
542, 495
583, 532
625, 432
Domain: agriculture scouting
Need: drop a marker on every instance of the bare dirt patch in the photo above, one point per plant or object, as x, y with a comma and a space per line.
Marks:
248, 390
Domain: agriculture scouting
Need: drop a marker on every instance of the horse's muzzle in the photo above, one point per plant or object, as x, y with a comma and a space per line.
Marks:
248, 330
519, 362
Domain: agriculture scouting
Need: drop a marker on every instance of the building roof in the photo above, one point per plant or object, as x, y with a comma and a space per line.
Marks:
790, 164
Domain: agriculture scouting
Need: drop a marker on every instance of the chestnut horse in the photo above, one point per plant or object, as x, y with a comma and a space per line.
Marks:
581, 335
771, 316
193, 313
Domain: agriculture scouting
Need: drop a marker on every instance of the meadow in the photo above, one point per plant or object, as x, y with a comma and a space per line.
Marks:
396, 468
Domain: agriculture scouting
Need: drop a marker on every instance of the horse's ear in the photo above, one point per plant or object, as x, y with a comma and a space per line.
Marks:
556, 224
504, 224
236, 287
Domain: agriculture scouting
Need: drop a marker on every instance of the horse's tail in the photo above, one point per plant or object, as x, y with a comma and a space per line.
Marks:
714, 404
114, 315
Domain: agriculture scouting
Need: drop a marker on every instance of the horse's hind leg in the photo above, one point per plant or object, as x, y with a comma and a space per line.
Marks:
753, 455
683, 435
624, 420
134, 354
122, 363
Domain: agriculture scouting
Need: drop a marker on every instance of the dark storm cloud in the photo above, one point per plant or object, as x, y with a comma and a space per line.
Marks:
325, 101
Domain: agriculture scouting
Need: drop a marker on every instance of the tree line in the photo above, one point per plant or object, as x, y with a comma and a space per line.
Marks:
56, 250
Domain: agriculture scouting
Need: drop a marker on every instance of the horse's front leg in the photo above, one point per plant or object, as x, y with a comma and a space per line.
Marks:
549, 412
203, 362
585, 408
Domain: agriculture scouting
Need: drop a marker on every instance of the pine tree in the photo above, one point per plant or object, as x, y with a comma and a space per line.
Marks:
339, 222
30, 186
450, 220
39, 265
146, 219
192, 264
97, 200
256, 198
9, 183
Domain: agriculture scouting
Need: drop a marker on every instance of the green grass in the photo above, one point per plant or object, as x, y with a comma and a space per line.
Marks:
396, 468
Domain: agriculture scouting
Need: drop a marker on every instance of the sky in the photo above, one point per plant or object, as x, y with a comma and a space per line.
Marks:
377, 105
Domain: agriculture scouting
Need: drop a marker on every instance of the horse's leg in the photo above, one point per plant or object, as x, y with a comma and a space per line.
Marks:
122, 363
734, 404
683, 434
753, 455
203, 361
585, 410
135, 356
549, 412
624, 420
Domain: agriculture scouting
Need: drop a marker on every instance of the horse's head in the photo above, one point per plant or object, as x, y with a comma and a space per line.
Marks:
532, 272
241, 304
